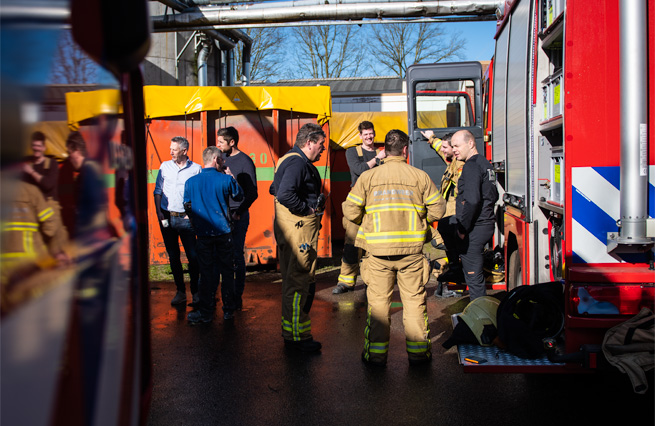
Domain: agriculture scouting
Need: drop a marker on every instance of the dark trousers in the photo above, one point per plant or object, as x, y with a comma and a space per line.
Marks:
216, 260
239, 230
180, 229
469, 250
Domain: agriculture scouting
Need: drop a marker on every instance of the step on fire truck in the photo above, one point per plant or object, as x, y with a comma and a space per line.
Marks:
568, 116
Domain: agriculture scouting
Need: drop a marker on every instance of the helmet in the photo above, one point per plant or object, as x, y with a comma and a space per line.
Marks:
480, 316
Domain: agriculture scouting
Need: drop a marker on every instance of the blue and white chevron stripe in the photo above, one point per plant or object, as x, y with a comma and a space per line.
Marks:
596, 208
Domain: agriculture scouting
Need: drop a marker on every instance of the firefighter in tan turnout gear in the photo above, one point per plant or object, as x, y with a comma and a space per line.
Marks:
27, 224
394, 204
298, 206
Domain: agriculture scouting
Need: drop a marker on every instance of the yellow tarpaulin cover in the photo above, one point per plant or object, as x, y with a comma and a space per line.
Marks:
343, 125
83, 105
168, 101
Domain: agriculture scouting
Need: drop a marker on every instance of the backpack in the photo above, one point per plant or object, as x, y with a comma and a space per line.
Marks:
528, 315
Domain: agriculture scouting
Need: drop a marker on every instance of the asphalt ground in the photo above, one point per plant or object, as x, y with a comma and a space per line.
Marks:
241, 373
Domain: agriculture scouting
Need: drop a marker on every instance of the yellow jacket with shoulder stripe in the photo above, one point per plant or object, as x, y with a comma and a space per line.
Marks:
28, 221
393, 204
448, 186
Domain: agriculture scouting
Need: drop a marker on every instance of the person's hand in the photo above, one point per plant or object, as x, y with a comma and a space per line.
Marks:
160, 215
427, 133
382, 154
460, 235
228, 172
27, 168
236, 216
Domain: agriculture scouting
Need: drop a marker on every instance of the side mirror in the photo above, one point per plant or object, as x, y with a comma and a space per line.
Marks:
115, 33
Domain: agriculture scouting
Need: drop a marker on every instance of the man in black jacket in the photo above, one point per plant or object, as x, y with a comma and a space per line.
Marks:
472, 226
296, 187
243, 169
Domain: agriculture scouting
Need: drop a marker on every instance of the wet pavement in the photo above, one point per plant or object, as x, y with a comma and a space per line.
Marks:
241, 374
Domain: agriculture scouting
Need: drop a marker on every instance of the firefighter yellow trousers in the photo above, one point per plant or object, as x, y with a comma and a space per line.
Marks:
351, 255
297, 241
381, 273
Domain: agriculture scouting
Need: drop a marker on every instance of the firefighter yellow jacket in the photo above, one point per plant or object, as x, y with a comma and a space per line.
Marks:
393, 204
30, 219
450, 177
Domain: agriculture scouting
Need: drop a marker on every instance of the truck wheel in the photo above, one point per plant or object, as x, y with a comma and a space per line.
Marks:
515, 272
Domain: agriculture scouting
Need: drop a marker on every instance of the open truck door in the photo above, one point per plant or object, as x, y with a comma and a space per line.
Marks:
443, 98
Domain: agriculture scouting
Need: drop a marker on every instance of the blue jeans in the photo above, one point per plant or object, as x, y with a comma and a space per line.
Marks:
215, 257
239, 230
180, 228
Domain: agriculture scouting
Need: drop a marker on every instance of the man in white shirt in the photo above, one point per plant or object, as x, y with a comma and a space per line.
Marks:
173, 220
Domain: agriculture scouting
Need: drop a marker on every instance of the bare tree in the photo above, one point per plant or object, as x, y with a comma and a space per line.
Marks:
401, 45
266, 57
329, 51
71, 65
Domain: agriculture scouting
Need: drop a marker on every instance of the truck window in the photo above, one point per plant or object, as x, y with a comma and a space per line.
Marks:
443, 104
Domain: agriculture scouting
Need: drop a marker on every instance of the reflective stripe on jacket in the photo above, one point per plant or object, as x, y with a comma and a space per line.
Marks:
29, 220
392, 203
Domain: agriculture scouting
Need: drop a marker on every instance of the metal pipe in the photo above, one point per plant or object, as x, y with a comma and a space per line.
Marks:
245, 57
288, 3
231, 68
175, 4
355, 11
322, 23
54, 12
202, 63
634, 127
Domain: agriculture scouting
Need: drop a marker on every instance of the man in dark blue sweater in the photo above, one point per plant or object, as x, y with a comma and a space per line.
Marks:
472, 226
206, 201
243, 169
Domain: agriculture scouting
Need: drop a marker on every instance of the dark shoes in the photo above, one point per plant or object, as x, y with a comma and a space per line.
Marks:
420, 361
179, 299
196, 317
342, 288
308, 345
373, 363
228, 316
195, 302
443, 291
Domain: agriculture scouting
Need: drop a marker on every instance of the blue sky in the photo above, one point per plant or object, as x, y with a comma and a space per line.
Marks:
479, 36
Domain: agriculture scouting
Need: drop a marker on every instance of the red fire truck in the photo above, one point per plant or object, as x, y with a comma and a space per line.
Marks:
570, 111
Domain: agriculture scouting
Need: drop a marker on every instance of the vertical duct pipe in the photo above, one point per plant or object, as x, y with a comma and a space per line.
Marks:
634, 130
231, 67
245, 67
202, 63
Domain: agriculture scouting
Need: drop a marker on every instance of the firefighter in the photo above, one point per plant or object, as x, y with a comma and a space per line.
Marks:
448, 190
30, 221
472, 226
360, 159
298, 207
43, 172
392, 204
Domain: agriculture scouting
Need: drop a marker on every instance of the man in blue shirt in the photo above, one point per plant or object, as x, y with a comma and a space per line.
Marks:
207, 200
173, 221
